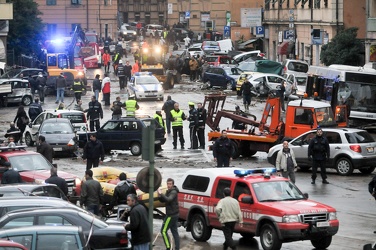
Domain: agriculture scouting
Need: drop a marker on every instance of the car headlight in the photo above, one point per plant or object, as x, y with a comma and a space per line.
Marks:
157, 49
290, 219
80, 73
145, 50
139, 88
332, 215
134, 33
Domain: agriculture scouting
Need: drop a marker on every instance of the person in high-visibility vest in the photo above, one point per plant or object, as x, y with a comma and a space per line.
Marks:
131, 106
158, 117
178, 117
78, 87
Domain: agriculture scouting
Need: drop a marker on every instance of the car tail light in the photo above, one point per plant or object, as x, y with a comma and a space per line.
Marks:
59, 116
356, 148
284, 69
123, 238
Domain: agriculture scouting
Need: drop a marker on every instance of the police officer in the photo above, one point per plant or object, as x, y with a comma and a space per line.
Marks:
158, 117
193, 125
201, 111
319, 152
35, 109
222, 150
121, 74
131, 106
178, 117
94, 112
78, 87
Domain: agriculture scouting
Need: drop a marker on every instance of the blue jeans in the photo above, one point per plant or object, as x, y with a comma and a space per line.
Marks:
144, 246
170, 222
96, 93
60, 94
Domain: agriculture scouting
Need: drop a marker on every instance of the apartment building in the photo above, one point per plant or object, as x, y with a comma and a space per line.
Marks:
61, 16
289, 24
6, 14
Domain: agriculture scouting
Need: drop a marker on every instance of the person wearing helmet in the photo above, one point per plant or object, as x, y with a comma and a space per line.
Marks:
121, 74
131, 105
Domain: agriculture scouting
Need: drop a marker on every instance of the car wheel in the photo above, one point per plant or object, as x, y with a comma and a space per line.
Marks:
322, 243
26, 100
28, 140
136, 149
304, 169
368, 170
269, 238
200, 231
207, 85
344, 166
236, 152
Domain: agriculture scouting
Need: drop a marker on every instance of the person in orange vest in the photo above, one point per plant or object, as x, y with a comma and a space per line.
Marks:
136, 67
106, 61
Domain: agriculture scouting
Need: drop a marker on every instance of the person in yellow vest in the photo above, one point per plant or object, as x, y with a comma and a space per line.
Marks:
131, 106
178, 117
78, 87
158, 117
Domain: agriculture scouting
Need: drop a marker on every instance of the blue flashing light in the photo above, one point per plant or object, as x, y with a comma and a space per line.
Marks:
243, 172
145, 73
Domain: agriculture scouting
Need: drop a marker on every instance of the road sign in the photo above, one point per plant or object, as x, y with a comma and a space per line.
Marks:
260, 31
187, 15
287, 34
227, 31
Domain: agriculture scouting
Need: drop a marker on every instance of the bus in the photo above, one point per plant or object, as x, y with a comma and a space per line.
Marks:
352, 86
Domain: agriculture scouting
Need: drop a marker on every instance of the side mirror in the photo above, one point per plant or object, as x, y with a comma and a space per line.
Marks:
306, 195
247, 200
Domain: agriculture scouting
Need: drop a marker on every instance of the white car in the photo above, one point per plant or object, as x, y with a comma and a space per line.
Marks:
152, 28
256, 54
77, 118
271, 82
143, 85
128, 32
196, 49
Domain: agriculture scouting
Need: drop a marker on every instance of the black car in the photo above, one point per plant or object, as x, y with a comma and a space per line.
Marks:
126, 134
49, 190
100, 234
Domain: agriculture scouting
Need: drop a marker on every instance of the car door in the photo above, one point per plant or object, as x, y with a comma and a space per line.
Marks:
242, 189
300, 148
131, 86
335, 146
35, 125
220, 186
112, 136
221, 79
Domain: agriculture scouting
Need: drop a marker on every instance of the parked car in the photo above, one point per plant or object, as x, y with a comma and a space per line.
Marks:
126, 134
297, 67
77, 118
47, 237
25, 72
299, 83
222, 77
19, 91
217, 60
11, 245
127, 32
100, 234
43, 189
195, 50
60, 134
210, 47
145, 86
152, 28
247, 66
254, 55
350, 149
33, 167
264, 83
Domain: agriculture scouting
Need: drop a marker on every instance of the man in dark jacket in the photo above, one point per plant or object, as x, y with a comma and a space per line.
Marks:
117, 109
201, 111
121, 191
246, 90
58, 181
33, 85
45, 149
127, 72
97, 86
193, 125
121, 74
91, 193
319, 152
222, 150
172, 214
10, 176
41, 80
139, 224
167, 107
372, 189
93, 152
281, 94
94, 113
60, 85
35, 109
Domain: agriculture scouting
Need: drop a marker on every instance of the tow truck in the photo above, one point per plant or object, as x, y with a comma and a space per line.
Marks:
301, 116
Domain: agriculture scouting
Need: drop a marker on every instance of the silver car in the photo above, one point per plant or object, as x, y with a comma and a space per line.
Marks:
17, 91
350, 149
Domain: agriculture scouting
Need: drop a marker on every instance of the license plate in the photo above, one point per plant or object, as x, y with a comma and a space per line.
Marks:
370, 149
150, 94
58, 149
323, 224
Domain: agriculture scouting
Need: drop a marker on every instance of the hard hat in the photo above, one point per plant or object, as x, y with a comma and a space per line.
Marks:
191, 103
120, 61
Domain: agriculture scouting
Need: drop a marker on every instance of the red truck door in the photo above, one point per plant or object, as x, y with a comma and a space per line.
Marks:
217, 194
249, 224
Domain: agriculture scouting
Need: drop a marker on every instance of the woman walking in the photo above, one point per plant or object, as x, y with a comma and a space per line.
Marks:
22, 120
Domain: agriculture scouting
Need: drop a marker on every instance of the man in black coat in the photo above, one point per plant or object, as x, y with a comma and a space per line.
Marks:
121, 74
35, 109
139, 223
97, 86
222, 150
167, 107
93, 152
45, 149
94, 113
128, 72
319, 153
121, 191
10, 176
58, 181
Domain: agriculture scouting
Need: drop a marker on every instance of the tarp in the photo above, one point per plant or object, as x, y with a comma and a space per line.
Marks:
267, 66
283, 48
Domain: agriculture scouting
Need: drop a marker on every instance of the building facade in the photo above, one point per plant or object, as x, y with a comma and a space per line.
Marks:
6, 14
289, 25
61, 16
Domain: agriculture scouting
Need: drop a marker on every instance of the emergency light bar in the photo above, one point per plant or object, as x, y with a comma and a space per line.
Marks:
144, 73
245, 172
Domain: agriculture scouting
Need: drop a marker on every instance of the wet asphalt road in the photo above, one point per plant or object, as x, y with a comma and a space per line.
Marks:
349, 195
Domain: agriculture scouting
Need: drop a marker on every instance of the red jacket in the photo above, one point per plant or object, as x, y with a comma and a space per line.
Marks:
106, 86
106, 58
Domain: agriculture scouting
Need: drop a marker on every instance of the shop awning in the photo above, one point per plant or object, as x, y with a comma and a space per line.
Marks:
283, 48
243, 45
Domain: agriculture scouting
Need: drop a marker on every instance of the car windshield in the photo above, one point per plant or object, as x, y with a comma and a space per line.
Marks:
325, 117
298, 67
56, 128
30, 162
10, 74
359, 137
247, 66
74, 117
232, 71
194, 49
276, 191
147, 80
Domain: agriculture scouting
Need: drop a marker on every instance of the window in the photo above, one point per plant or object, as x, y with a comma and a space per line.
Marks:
50, 2
19, 222
53, 220
24, 240
196, 183
241, 188
333, 137
51, 29
222, 184
303, 116
76, 1
45, 241
113, 126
